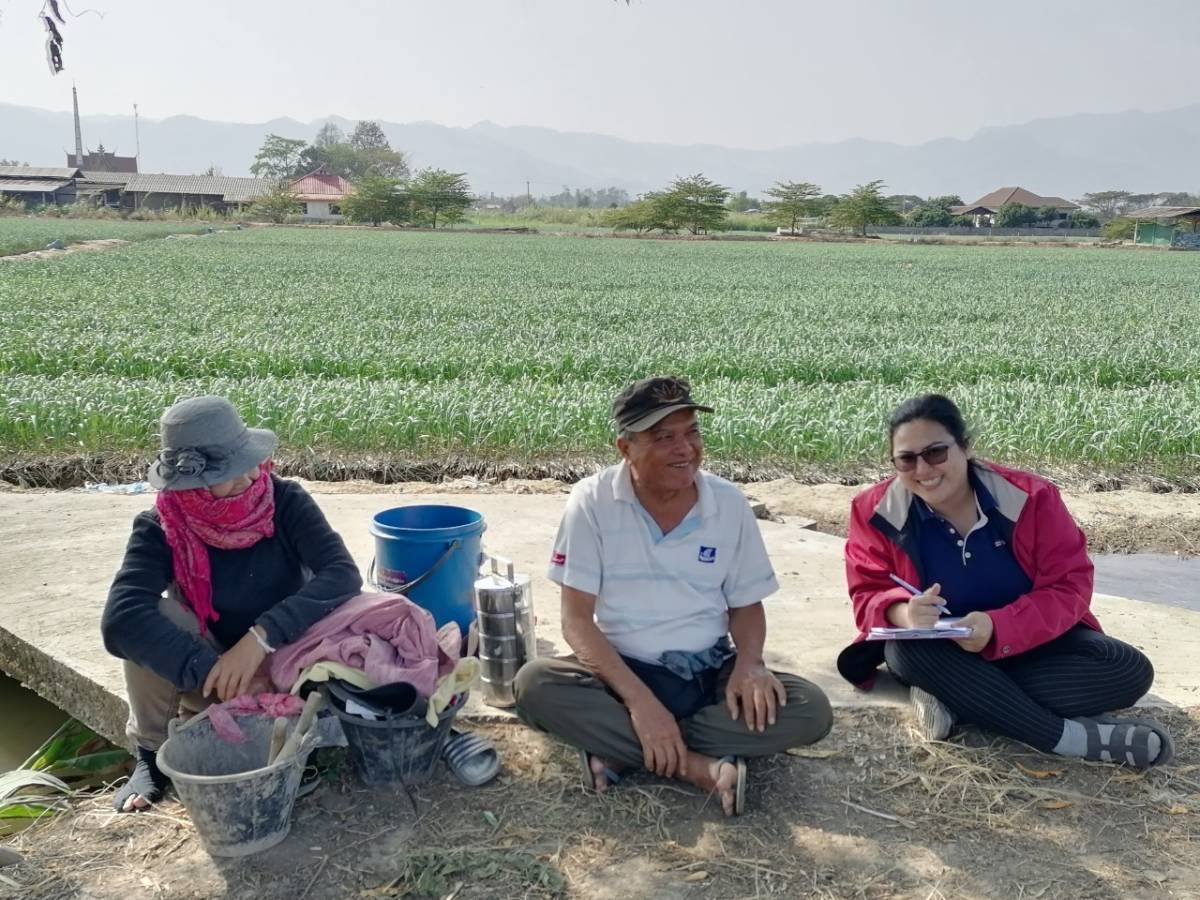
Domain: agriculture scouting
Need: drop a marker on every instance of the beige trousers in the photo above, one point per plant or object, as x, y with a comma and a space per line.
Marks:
154, 701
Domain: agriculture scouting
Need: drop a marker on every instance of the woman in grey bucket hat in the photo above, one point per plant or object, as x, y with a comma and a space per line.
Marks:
204, 443
232, 563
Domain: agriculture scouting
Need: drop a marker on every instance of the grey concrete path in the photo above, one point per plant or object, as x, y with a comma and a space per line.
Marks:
58, 552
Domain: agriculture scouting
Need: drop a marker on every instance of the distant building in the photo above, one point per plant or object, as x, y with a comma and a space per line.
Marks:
1177, 227
183, 192
321, 192
984, 210
100, 160
36, 185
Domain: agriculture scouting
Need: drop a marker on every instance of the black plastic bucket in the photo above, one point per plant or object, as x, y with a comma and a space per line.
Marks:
397, 750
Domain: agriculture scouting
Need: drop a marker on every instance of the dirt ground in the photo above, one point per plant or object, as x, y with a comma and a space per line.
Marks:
871, 812
1116, 521
1127, 520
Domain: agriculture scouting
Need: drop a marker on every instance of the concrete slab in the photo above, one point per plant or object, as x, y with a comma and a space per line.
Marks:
58, 552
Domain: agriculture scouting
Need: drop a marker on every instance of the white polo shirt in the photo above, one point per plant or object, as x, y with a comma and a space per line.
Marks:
658, 592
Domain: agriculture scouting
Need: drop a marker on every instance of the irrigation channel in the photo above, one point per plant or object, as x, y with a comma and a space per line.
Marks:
26, 720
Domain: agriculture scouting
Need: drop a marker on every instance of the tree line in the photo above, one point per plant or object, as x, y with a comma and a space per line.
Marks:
698, 205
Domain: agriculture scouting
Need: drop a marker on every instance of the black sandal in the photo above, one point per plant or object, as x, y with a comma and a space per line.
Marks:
1129, 741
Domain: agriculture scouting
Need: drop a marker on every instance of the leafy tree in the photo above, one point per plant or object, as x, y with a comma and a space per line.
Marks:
904, 203
369, 135
1107, 204
639, 216
278, 158
791, 201
1015, 215
11, 162
329, 135
376, 200
741, 201
1177, 198
277, 203
1081, 219
935, 212
695, 203
436, 193
863, 206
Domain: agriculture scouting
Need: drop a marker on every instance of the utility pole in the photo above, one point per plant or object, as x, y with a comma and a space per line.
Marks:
137, 138
528, 195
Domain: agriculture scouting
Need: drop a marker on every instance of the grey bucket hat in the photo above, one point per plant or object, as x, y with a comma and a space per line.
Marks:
206, 442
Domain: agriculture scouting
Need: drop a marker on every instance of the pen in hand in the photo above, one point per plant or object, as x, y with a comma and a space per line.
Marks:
915, 591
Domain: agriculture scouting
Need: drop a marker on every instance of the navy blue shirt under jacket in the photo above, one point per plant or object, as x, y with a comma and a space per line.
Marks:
977, 571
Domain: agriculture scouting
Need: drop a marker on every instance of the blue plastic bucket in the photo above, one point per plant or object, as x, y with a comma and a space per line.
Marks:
430, 554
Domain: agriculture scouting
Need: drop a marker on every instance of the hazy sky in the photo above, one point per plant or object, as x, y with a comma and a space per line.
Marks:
748, 73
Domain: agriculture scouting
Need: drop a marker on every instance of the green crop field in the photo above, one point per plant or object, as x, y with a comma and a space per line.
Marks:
19, 234
416, 346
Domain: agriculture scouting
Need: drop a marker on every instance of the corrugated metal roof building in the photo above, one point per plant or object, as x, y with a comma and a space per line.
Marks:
38, 184
161, 191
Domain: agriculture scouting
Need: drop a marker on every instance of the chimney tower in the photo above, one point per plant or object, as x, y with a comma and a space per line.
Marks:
78, 131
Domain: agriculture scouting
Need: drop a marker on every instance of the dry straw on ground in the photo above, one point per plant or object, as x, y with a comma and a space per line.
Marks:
869, 813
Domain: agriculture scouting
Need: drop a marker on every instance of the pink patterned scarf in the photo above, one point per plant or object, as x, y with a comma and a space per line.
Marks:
195, 520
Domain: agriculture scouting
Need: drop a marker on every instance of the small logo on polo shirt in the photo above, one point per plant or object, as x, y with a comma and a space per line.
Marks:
998, 544
707, 554
558, 559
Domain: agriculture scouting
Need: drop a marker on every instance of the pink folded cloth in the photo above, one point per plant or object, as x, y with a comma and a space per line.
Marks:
221, 715
386, 636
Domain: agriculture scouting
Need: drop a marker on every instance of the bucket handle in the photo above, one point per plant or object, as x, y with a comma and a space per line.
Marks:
400, 589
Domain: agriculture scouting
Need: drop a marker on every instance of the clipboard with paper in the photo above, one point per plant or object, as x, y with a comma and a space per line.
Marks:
948, 627
945, 628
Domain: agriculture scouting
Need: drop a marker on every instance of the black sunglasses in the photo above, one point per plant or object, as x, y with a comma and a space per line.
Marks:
933, 455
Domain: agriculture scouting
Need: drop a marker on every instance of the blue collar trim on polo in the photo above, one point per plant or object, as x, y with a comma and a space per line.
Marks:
705, 506
623, 490
984, 500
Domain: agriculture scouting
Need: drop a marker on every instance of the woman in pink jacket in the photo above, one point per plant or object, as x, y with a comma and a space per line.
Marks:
998, 547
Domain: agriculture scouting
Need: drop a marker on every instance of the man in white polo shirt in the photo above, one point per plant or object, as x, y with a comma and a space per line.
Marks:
660, 564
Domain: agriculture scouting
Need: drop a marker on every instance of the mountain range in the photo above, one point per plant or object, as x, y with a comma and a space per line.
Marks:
1065, 156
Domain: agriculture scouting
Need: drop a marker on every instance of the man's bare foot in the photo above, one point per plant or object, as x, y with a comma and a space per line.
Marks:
715, 777
600, 772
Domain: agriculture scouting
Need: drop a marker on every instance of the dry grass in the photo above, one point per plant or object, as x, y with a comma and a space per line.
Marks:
869, 813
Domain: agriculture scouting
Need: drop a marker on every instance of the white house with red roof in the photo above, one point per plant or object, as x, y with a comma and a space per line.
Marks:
321, 193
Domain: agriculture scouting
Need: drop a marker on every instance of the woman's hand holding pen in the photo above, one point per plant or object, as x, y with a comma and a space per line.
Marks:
926, 608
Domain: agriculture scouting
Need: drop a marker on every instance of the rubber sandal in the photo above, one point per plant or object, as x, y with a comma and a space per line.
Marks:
739, 789
1166, 751
310, 780
589, 777
472, 759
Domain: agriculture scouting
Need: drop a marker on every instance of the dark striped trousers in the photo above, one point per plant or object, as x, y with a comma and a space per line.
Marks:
1026, 697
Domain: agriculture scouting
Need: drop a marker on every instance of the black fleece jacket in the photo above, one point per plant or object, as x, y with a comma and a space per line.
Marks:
284, 583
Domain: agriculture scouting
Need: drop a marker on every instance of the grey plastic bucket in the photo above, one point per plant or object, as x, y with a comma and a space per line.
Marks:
397, 750
238, 804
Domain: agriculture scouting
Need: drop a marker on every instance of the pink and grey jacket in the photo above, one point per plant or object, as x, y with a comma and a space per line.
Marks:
1045, 541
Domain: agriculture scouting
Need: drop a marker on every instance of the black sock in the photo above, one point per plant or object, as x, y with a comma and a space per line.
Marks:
147, 780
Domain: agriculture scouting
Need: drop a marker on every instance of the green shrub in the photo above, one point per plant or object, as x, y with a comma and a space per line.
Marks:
1119, 230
